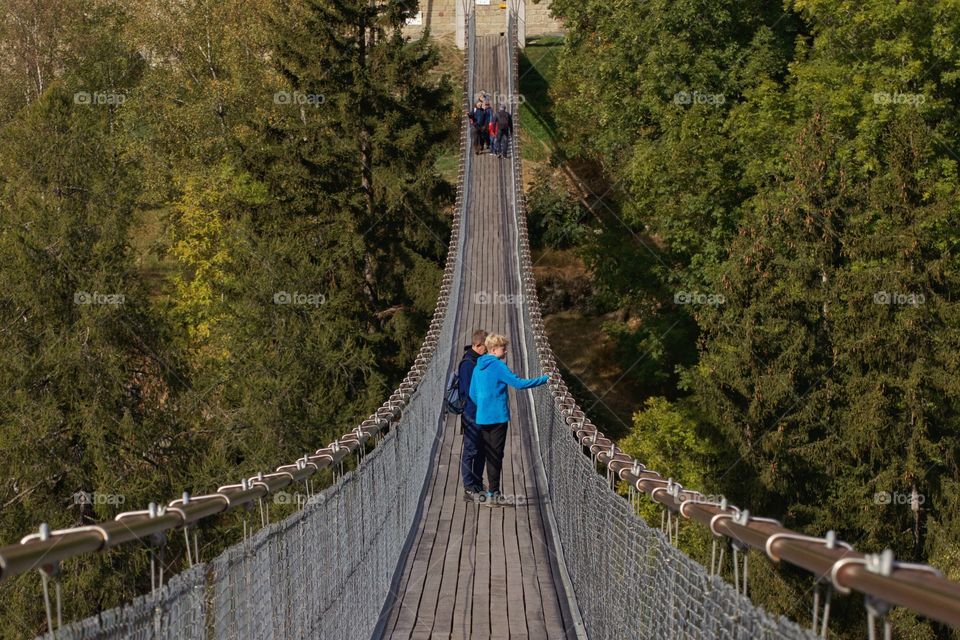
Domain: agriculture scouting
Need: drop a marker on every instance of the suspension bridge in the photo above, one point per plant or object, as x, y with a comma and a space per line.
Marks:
391, 550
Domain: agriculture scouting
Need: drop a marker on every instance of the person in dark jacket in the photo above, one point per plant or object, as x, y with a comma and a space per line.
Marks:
478, 122
504, 129
488, 389
471, 460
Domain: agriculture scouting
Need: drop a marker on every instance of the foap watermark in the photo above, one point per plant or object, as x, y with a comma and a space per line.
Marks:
299, 98
95, 498
496, 297
95, 297
499, 500
897, 98
894, 297
508, 99
284, 497
914, 499
297, 298
696, 297
99, 98
697, 97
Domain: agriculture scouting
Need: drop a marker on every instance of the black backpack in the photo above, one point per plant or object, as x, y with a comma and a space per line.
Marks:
452, 400
503, 120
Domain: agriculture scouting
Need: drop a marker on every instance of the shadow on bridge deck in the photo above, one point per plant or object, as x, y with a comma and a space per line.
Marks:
473, 571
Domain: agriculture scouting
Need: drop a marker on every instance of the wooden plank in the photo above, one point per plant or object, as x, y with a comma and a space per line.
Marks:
463, 603
533, 604
516, 607
409, 614
499, 612
443, 516
541, 563
481, 584
447, 588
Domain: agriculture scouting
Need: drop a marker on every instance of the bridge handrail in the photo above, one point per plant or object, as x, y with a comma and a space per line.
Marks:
918, 587
46, 548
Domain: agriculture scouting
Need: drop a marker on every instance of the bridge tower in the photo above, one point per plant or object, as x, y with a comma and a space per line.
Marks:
446, 18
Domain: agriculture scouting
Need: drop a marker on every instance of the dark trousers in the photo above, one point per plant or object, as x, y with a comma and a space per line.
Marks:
502, 143
494, 441
478, 139
472, 458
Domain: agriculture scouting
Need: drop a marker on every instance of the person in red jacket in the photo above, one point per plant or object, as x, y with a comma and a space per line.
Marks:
488, 119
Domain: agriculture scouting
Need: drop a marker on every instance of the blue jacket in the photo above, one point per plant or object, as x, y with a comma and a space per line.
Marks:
465, 373
488, 389
480, 117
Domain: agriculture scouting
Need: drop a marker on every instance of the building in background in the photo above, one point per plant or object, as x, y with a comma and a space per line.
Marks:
445, 18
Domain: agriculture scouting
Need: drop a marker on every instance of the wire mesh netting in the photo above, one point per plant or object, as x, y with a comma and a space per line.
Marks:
320, 573
323, 572
629, 580
177, 610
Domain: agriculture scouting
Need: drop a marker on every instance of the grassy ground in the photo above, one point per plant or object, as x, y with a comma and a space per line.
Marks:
451, 63
448, 164
538, 65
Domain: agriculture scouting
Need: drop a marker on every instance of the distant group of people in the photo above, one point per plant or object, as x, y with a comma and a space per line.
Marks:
483, 379
491, 130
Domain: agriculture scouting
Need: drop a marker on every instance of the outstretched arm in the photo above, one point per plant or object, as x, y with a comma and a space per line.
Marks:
517, 382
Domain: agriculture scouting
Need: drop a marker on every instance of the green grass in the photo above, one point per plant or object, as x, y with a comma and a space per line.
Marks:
538, 68
448, 164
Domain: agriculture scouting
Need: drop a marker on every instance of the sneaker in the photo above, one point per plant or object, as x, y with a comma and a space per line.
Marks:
474, 494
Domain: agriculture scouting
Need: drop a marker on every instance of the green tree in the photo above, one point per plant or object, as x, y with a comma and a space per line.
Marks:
814, 199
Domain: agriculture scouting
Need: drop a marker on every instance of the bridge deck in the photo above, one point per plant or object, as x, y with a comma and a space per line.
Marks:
475, 571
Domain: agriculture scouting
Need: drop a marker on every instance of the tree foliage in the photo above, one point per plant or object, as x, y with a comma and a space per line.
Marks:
809, 187
299, 245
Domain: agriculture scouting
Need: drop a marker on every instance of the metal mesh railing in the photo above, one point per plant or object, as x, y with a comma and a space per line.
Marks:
630, 581
176, 610
323, 572
320, 573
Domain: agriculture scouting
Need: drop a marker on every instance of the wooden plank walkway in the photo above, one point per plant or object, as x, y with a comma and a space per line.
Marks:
474, 571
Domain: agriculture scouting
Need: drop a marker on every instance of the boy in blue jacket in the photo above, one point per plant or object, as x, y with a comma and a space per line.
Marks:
488, 390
